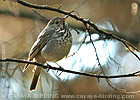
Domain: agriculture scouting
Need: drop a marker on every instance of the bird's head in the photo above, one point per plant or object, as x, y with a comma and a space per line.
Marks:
58, 22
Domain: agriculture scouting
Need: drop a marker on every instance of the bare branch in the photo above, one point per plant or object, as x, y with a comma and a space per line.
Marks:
135, 74
43, 17
86, 23
46, 7
107, 80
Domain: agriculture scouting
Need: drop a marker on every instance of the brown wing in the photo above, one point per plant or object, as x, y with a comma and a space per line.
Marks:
41, 41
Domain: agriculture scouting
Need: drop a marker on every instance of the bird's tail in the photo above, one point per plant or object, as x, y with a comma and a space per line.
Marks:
36, 77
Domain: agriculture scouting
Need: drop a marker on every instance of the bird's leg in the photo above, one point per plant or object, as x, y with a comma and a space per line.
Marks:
47, 68
60, 68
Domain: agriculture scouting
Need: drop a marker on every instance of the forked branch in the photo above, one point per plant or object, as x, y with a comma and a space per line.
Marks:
87, 21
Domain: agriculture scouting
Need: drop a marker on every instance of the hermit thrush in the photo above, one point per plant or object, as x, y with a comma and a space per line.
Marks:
52, 44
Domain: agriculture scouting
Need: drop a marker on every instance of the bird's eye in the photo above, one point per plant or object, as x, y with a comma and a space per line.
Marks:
56, 22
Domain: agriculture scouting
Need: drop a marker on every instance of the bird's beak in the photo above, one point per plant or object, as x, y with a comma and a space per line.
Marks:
63, 20
65, 17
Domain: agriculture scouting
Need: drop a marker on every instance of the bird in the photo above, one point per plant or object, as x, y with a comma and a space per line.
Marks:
52, 44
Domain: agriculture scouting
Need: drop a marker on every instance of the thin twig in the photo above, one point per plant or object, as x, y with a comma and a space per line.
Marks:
135, 74
46, 7
43, 17
107, 80
82, 42
86, 22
